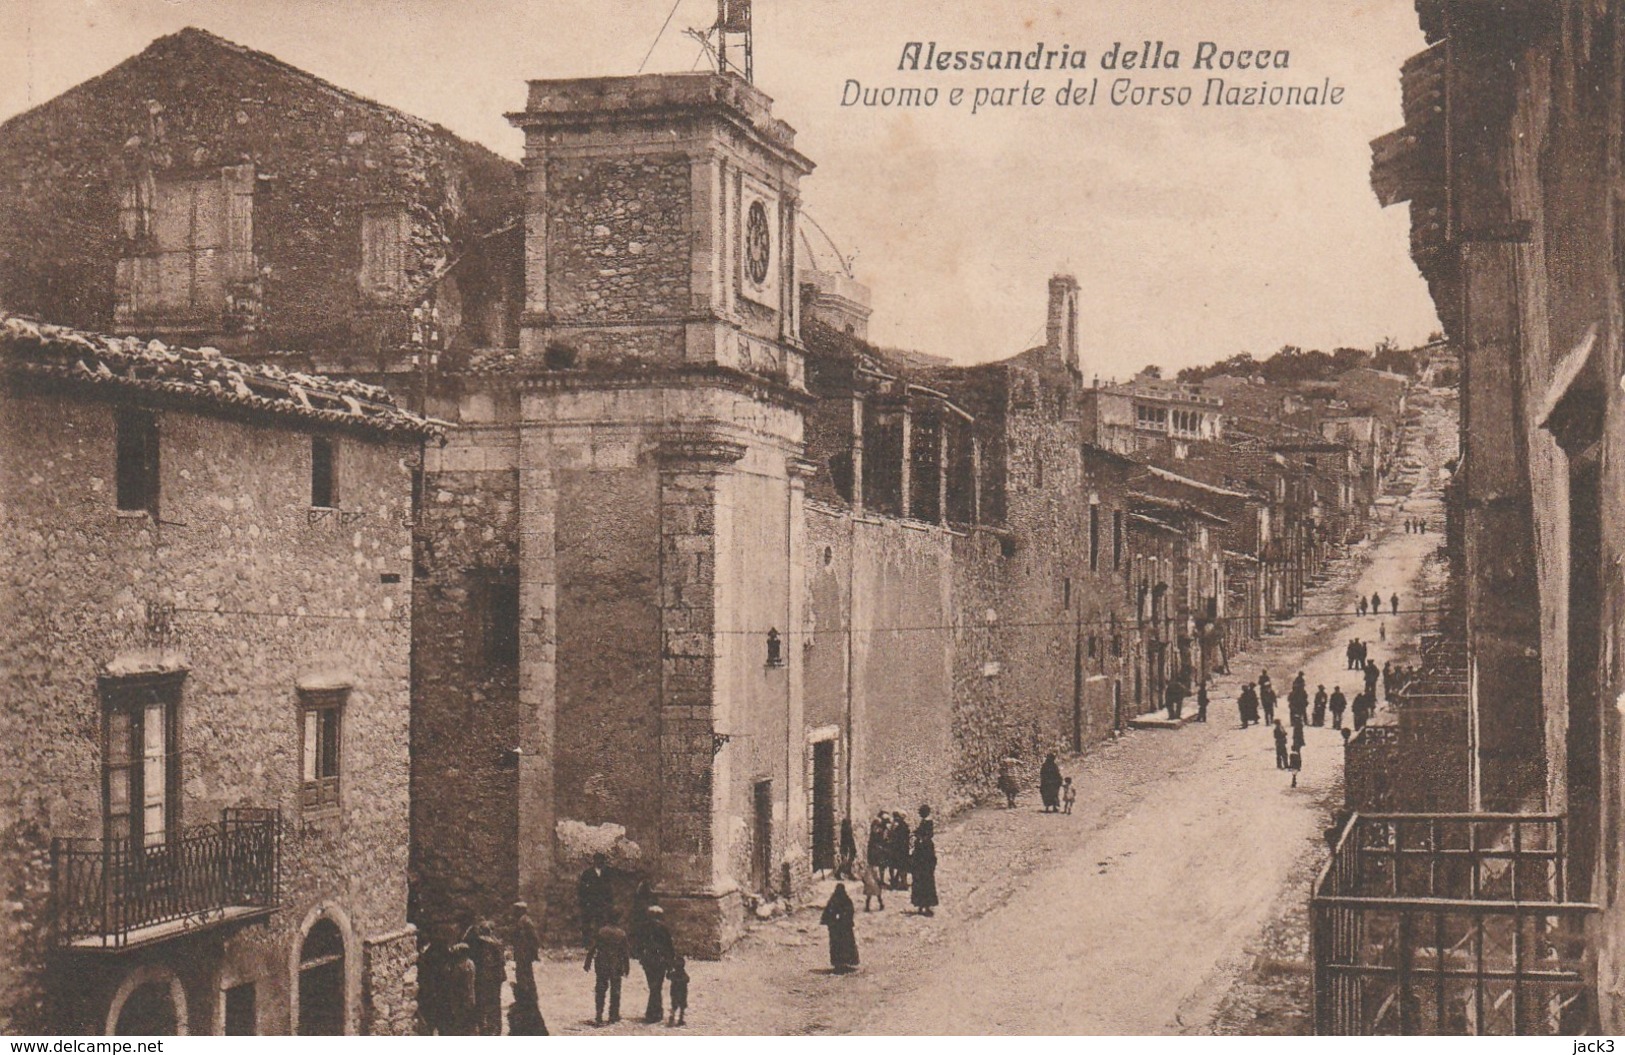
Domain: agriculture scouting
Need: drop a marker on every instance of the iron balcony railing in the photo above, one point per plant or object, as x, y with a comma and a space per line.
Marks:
1451, 924
113, 894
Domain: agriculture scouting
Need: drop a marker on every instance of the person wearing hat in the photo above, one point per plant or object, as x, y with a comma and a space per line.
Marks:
655, 952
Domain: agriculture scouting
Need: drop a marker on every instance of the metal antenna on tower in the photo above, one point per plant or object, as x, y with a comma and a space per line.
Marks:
733, 30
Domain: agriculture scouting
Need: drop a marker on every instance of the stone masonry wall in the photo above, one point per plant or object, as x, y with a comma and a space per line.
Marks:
618, 235
192, 103
265, 592
464, 718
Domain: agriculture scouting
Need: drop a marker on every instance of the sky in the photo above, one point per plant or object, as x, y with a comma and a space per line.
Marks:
1194, 232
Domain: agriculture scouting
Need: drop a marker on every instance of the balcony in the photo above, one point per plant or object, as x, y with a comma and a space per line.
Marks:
1451, 925
111, 896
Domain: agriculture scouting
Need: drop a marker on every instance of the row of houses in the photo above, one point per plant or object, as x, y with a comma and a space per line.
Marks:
1504, 766
431, 522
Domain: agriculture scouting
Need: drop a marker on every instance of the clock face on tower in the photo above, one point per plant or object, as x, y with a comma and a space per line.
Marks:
758, 244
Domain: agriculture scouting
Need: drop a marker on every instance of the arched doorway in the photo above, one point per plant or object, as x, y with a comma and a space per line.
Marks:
148, 1012
321, 981
150, 1003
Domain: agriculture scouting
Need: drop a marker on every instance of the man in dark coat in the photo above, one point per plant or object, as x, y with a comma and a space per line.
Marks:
924, 863
595, 900
1349, 653
1280, 746
655, 952
1394, 604
462, 1020
1372, 676
1376, 603
1247, 704
1297, 701
608, 952
434, 966
1339, 703
1049, 784
1320, 706
898, 850
1266, 699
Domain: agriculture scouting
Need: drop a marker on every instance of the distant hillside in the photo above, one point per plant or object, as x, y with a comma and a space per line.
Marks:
1293, 365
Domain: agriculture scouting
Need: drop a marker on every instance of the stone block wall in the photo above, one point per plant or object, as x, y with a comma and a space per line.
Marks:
465, 721
618, 237
389, 985
251, 590
318, 157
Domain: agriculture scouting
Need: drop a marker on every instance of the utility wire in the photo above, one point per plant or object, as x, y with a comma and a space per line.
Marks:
660, 34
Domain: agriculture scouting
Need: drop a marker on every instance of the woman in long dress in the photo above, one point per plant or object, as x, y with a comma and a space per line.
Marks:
924, 895
843, 937
1049, 784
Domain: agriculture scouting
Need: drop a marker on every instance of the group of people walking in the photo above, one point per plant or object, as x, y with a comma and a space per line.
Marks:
1415, 525
1374, 605
898, 858
611, 947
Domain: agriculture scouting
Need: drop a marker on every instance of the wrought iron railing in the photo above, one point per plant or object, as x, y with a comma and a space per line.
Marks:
1451, 924
106, 891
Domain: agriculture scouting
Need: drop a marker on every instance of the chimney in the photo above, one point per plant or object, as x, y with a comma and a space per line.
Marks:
1062, 333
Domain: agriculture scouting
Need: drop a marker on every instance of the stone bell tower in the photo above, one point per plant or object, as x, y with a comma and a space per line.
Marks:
661, 485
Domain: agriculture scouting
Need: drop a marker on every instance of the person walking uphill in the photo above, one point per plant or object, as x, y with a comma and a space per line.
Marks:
1280, 746
843, 934
924, 861
1320, 706
1049, 784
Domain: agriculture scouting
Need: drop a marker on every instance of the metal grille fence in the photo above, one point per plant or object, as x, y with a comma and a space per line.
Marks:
106, 890
1451, 924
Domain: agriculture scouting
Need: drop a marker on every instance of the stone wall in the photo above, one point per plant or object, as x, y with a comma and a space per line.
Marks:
464, 713
618, 231
264, 591
316, 157
389, 988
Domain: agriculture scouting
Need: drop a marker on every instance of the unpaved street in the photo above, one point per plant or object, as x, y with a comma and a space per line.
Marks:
1131, 916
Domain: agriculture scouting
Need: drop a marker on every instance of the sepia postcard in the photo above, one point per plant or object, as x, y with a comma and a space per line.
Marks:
798, 517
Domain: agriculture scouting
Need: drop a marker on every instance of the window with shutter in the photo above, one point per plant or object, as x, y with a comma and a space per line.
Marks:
384, 231
189, 239
321, 716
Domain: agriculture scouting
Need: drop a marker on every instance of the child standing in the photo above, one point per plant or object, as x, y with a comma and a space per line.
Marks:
1069, 795
869, 876
1294, 762
679, 991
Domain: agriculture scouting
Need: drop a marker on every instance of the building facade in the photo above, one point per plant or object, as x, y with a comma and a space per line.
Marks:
207, 576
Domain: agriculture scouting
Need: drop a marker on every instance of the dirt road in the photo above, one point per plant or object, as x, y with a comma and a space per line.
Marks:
1131, 916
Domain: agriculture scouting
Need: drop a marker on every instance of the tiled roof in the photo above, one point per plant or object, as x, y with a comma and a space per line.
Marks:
199, 376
